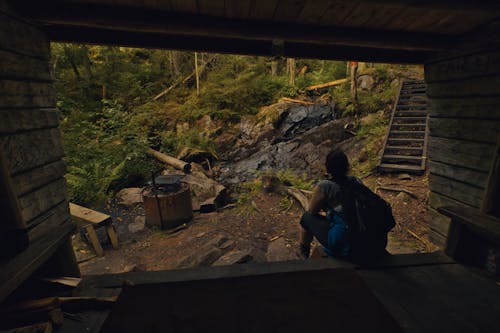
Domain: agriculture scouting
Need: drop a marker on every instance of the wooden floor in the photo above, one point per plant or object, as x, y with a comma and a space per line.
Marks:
405, 293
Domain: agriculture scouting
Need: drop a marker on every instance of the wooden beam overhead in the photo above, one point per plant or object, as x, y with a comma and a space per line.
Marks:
154, 21
235, 46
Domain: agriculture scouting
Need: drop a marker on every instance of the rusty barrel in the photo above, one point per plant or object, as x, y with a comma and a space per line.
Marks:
167, 210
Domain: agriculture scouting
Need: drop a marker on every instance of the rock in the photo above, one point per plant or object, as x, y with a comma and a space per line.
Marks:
129, 196
205, 190
404, 176
278, 251
138, 224
206, 254
234, 257
366, 82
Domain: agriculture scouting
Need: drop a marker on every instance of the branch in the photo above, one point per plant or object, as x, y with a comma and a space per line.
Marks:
172, 161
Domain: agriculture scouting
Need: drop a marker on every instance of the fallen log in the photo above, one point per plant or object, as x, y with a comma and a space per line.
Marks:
326, 85
172, 161
298, 101
298, 195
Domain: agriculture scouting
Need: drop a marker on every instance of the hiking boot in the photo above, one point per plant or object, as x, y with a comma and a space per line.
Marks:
304, 251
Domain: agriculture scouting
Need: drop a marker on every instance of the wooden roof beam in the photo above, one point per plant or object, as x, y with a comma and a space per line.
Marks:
234, 46
154, 21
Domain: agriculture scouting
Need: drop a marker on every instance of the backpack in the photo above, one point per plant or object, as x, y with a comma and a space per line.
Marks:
370, 219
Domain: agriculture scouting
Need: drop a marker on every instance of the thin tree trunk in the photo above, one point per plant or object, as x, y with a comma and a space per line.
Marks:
175, 62
274, 67
197, 74
354, 82
291, 71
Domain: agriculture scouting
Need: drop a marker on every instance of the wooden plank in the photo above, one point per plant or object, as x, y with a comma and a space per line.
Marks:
472, 155
211, 7
439, 223
486, 86
22, 38
465, 67
437, 298
91, 234
35, 178
313, 11
42, 200
437, 239
462, 192
29, 150
478, 107
485, 225
18, 66
47, 222
473, 177
18, 269
184, 6
337, 12
238, 9
23, 94
470, 129
27, 119
87, 215
437, 200
110, 230
492, 193
289, 10
263, 9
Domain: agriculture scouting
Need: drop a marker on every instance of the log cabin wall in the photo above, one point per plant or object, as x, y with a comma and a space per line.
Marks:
464, 93
30, 139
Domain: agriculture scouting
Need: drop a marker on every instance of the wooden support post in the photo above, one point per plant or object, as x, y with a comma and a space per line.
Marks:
94, 240
197, 74
110, 230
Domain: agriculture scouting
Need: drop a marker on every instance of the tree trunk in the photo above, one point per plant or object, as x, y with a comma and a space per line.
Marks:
291, 71
354, 82
87, 64
197, 74
274, 67
175, 62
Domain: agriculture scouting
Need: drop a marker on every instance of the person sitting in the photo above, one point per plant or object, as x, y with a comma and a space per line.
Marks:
332, 230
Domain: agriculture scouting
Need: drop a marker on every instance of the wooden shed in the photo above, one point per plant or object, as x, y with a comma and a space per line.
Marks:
457, 41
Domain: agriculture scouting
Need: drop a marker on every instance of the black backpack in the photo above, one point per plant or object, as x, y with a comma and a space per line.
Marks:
370, 219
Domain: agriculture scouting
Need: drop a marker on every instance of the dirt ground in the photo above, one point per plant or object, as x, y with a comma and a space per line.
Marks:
251, 228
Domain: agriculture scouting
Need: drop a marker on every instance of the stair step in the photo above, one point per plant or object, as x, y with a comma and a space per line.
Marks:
411, 160
411, 113
405, 140
390, 167
404, 150
406, 134
412, 107
420, 119
410, 125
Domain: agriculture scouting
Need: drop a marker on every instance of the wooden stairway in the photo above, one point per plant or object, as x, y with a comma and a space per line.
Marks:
405, 146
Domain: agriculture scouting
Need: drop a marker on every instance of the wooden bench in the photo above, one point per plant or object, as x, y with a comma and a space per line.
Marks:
471, 233
87, 219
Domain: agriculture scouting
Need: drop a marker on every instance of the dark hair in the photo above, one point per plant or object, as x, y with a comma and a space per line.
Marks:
337, 164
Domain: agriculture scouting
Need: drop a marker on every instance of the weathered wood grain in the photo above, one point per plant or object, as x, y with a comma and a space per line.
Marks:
473, 177
437, 239
472, 107
439, 223
35, 178
42, 200
23, 38
472, 155
26, 94
313, 11
474, 87
238, 9
289, 10
464, 67
14, 272
29, 150
462, 192
54, 218
27, 119
211, 7
17, 66
470, 129
437, 200
263, 9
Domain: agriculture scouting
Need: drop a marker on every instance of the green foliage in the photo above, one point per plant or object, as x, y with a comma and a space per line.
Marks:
291, 178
